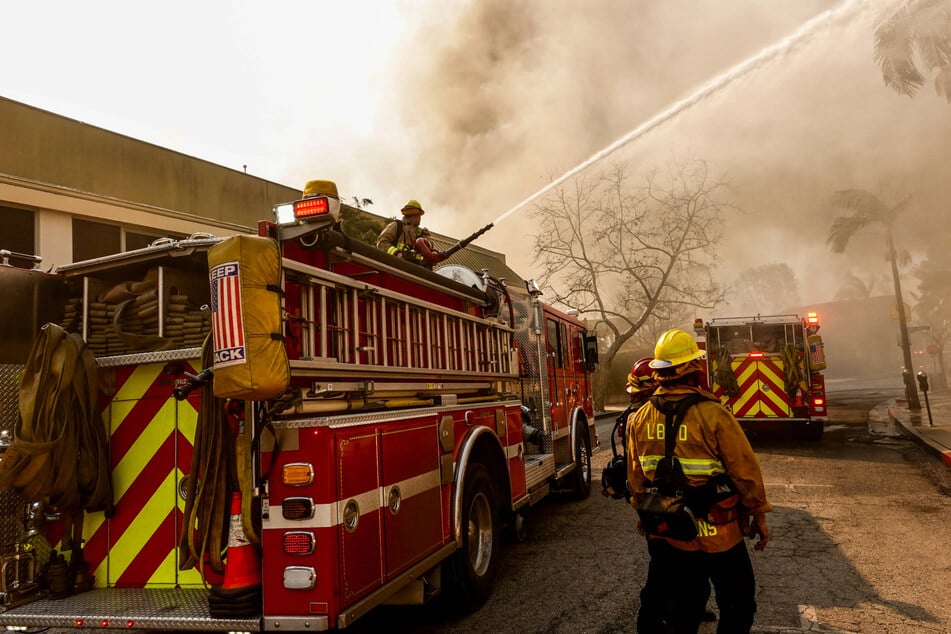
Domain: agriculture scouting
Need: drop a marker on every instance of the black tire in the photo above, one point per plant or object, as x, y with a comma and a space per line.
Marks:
581, 477
474, 567
812, 431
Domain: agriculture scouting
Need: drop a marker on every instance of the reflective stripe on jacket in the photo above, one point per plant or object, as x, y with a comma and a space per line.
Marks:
709, 442
393, 241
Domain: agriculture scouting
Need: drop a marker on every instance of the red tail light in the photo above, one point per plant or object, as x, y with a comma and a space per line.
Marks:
310, 207
756, 355
818, 402
299, 543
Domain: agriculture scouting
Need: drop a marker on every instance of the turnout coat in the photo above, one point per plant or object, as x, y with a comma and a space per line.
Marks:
709, 442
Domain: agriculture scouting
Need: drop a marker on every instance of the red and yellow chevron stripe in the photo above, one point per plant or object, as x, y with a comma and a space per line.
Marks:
150, 445
762, 392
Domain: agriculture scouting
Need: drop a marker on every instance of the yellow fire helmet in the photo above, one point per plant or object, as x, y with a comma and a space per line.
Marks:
412, 208
675, 347
320, 188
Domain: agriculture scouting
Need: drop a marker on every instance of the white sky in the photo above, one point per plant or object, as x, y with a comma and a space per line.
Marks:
472, 105
284, 87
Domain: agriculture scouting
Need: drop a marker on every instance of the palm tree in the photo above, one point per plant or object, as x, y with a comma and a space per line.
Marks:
865, 208
913, 39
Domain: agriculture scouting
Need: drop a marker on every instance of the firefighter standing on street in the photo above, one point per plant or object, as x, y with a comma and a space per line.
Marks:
399, 237
651, 615
710, 445
640, 385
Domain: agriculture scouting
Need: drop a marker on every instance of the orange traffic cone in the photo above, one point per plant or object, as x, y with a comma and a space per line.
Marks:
239, 595
243, 566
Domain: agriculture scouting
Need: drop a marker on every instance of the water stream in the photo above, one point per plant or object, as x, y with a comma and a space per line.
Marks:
709, 88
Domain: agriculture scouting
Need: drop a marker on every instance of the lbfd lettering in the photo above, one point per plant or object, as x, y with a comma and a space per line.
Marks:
658, 431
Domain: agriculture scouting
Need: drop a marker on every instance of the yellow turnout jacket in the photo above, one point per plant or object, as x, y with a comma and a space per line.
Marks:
709, 442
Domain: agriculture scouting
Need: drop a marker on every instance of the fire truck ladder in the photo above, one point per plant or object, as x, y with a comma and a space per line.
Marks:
398, 347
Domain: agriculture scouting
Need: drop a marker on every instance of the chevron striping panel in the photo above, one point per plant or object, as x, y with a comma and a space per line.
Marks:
150, 440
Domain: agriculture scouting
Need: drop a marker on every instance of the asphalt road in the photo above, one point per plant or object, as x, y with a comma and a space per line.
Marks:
861, 534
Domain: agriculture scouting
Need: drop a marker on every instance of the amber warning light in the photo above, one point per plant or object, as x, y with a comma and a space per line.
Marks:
812, 319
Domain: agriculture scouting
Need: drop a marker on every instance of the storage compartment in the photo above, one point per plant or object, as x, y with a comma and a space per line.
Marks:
141, 301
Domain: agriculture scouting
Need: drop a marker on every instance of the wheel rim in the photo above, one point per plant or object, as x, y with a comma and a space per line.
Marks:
480, 534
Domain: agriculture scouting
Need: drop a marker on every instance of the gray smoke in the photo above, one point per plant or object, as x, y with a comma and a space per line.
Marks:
500, 97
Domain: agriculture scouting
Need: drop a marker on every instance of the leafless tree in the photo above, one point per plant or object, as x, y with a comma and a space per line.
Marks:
766, 289
630, 257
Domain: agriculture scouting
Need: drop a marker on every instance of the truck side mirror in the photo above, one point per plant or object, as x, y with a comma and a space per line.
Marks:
922, 381
591, 352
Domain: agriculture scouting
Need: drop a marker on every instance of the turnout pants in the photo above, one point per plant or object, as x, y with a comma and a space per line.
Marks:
678, 585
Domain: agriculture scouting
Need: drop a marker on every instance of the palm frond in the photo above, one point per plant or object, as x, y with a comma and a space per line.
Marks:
860, 201
894, 53
842, 230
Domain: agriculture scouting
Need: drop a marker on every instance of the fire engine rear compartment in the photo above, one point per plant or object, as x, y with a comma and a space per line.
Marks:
371, 368
765, 369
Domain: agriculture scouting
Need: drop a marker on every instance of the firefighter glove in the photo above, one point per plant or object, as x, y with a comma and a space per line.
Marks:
755, 526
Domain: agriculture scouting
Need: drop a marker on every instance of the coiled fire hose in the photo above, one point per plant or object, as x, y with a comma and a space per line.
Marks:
723, 373
209, 485
220, 465
59, 451
793, 370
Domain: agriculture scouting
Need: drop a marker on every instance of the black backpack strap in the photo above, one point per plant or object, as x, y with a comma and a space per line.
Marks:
674, 412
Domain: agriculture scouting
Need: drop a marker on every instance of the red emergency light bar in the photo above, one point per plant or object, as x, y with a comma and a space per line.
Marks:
756, 355
812, 319
310, 207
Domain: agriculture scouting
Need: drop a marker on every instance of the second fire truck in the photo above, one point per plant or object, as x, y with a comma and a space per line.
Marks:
767, 369
387, 420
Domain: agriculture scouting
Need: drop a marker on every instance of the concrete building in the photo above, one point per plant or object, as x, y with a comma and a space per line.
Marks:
70, 191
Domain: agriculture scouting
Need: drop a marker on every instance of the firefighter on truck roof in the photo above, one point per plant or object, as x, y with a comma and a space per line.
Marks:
402, 237
724, 490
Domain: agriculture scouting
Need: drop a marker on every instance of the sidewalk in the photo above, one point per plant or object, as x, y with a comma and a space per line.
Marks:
933, 434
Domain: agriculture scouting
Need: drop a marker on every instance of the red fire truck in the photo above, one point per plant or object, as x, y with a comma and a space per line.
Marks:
767, 370
387, 420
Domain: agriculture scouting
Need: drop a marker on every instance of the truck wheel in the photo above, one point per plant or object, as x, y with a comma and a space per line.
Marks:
473, 567
581, 486
811, 431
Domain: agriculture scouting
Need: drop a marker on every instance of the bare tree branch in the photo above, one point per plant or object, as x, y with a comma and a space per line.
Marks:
626, 256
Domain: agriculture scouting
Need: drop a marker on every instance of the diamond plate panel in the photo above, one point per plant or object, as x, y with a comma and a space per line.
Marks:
11, 507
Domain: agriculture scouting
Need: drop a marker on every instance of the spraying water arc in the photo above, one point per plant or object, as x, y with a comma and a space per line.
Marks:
711, 87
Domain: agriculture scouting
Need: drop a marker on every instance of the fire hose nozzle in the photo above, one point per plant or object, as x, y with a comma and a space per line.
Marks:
465, 241
195, 381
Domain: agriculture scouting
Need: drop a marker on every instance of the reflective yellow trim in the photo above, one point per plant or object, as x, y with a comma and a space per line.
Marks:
691, 466
701, 466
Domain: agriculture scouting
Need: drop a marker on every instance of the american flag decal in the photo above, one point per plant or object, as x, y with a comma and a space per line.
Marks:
227, 319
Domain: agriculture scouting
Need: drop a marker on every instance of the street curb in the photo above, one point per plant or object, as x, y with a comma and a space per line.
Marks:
938, 450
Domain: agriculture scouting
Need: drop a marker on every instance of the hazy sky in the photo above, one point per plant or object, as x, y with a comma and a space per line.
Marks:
472, 106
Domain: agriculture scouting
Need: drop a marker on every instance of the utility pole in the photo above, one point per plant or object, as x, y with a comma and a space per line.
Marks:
911, 391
